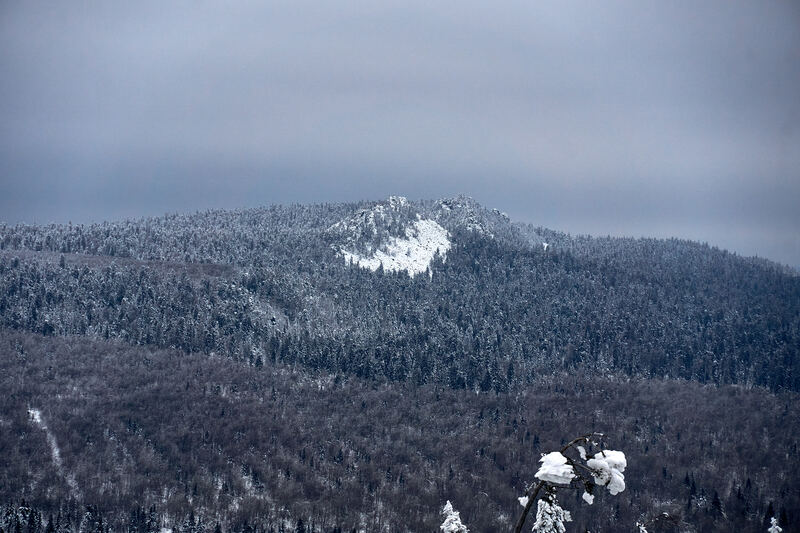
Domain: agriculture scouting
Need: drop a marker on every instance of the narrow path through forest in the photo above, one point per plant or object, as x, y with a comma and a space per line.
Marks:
36, 416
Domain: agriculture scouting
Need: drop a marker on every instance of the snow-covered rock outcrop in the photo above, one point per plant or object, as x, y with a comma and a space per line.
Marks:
392, 235
412, 253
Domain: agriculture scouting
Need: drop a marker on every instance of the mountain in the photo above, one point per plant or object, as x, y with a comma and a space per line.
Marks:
337, 287
340, 367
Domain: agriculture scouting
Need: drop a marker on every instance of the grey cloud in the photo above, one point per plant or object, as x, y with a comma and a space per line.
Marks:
671, 118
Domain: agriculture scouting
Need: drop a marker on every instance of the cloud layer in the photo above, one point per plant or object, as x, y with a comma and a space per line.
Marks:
665, 119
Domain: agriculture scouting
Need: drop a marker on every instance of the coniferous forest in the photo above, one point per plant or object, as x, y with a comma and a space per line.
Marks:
243, 371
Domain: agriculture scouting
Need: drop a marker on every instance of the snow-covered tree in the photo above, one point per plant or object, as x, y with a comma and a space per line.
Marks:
452, 520
774, 527
572, 466
550, 517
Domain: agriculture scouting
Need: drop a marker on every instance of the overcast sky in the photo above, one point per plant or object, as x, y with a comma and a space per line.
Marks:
677, 118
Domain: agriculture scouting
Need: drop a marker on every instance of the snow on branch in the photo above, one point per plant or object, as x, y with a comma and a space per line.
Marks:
563, 469
555, 469
571, 466
608, 466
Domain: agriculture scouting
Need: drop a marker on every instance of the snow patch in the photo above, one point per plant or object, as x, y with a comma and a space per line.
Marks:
413, 253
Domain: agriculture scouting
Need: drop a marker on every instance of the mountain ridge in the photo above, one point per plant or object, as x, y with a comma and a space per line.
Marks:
497, 309
474, 217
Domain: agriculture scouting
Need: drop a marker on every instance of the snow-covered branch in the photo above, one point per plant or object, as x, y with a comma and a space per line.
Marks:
571, 466
559, 469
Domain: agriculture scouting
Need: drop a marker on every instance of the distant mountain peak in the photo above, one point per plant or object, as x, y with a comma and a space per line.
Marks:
396, 202
460, 201
465, 213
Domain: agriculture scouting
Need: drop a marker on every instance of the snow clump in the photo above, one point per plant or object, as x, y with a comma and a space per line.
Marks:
608, 466
555, 469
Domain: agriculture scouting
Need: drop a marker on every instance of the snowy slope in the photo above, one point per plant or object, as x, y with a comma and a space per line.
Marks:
392, 234
403, 235
412, 253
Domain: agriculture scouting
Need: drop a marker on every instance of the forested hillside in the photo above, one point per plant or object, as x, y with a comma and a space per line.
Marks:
353, 366
157, 438
498, 309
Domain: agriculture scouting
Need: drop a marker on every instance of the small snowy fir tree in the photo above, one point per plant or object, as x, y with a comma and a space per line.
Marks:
452, 520
774, 527
550, 517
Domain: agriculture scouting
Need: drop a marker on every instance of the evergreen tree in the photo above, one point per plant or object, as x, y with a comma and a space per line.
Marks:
452, 520
550, 517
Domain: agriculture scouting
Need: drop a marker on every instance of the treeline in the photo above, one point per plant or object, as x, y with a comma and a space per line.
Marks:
147, 431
